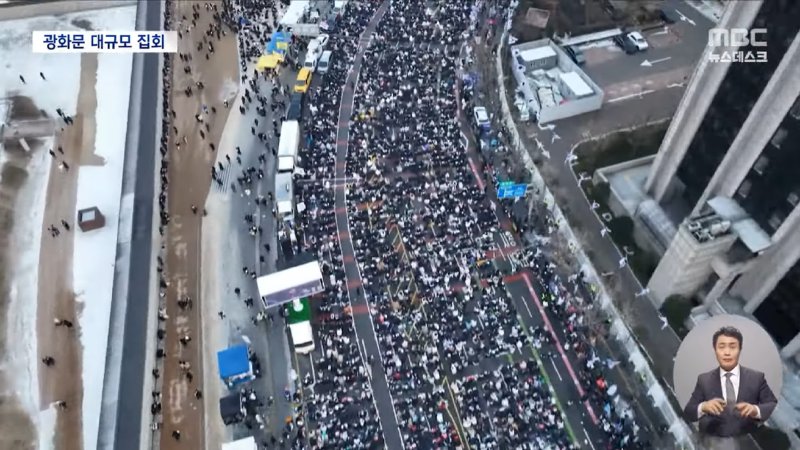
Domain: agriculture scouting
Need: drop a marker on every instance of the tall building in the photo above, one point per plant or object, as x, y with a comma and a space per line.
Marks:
728, 175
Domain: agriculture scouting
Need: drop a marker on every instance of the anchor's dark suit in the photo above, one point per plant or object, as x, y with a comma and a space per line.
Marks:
753, 389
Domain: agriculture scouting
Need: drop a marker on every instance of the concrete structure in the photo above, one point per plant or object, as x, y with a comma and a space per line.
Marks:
554, 87
727, 175
733, 143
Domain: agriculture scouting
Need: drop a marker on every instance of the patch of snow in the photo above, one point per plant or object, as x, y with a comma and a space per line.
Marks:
60, 91
47, 428
23, 289
94, 282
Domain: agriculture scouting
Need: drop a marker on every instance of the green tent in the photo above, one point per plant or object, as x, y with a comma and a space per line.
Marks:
293, 315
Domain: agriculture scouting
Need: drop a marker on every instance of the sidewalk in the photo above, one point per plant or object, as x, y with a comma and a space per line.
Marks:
190, 158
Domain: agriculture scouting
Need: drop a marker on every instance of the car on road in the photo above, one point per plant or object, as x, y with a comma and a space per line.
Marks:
625, 44
637, 40
667, 16
314, 51
322, 40
575, 54
482, 118
295, 109
324, 61
303, 80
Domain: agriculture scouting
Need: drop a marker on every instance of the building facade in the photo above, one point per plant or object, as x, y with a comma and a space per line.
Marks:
732, 156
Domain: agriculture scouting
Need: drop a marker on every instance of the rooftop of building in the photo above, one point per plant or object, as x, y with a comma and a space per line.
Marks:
556, 79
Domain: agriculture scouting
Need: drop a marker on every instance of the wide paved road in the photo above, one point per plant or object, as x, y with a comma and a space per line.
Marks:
361, 317
131, 383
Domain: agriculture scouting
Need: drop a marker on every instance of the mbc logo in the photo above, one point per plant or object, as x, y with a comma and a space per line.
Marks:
736, 37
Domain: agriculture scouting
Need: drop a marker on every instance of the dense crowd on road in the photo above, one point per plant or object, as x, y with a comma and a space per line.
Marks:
424, 231
421, 229
341, 410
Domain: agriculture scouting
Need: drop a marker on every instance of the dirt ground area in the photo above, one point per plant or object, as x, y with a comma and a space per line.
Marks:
57, 299
578, 17
189, 181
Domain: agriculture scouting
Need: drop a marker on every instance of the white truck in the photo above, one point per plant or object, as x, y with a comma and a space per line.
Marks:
284, 196
298, 318
288, 146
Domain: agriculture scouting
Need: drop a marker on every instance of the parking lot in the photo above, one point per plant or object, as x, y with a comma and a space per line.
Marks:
668, 62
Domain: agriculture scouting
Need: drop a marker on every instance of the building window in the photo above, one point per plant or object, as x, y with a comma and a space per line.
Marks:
775, 221
779, 137
744, 189
793, 198
761, 164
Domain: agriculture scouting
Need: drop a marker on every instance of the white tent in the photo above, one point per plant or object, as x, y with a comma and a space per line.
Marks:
294, 12
294, 282
248, 443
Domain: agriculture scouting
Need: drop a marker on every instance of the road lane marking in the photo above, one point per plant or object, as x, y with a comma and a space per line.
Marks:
588, 439
630, 96
560, 349
529, 310
553, 361
648, 63
665, 30
685, 19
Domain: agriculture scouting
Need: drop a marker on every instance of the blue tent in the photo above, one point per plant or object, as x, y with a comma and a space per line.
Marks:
234, 365
278, 43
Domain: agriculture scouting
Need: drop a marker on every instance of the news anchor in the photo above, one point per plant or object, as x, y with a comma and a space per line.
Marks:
730, 400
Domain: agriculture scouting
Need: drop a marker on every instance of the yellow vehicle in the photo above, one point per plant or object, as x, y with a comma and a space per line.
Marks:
303, 80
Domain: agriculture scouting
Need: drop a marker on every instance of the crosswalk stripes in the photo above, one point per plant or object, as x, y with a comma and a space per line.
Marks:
225, 175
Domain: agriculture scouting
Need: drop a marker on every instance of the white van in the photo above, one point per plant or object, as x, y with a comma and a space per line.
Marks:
314, 51
311, 61
324, 61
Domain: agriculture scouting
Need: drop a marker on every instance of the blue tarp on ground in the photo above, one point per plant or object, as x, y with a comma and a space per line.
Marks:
233, 362
278, 43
